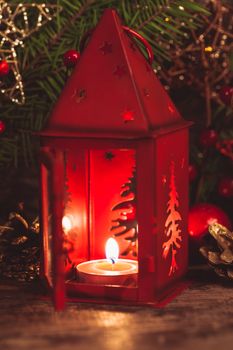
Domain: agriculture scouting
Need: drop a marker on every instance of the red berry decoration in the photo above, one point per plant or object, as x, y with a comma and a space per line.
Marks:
2, 127
192, 172
225, 187
208, 137
225, 147
70, 58
202, 215
226, 95
4, 68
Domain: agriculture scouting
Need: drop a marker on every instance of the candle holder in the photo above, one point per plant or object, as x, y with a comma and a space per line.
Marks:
110, 271
114, 163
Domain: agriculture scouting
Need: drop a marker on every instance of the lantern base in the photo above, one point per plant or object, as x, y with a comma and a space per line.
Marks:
118, 295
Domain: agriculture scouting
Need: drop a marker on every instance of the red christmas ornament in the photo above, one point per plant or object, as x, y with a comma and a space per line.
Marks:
225, 147
225, 187
128, 116
2, 127
70, 58
4, 68
226, 94
202, 215
208, 137
192, 172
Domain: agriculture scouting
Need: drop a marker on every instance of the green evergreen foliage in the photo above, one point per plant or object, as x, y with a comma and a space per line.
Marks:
43, 71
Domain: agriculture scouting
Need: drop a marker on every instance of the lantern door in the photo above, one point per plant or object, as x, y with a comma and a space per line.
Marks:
98, 185
52, 184
46, 221
100, 203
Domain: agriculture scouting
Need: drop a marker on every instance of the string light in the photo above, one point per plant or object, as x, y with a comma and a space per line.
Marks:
208, 49
12, 35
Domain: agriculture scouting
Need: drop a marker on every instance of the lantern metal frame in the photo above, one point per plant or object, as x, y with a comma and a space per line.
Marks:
163, 169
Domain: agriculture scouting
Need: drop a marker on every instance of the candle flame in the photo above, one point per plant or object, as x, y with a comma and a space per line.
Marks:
67, 223
112, 250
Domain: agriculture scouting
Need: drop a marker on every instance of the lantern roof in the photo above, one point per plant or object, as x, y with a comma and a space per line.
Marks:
113, 90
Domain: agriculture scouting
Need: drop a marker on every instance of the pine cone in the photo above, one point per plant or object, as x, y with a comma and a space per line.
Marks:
220, 255
19, 248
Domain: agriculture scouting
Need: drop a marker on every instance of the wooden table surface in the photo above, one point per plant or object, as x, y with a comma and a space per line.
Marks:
200, 318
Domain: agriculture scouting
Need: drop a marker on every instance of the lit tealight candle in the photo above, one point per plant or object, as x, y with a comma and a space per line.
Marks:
111, 270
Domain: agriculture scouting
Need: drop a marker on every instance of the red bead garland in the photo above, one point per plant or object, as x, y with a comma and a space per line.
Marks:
2, 126
225, 147
226, 95
70, 58
192, 172
225, 187
4, 68
208, 137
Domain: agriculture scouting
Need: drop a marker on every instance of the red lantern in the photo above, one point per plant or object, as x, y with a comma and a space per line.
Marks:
111, 149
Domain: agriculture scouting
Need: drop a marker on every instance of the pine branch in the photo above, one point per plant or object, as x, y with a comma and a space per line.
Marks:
55, 39
42, 68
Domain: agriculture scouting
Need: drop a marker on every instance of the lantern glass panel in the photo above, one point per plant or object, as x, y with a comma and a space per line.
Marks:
100, 203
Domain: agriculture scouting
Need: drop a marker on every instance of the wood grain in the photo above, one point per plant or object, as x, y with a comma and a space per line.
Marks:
200, 318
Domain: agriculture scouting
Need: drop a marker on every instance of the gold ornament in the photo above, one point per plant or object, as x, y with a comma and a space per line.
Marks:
17, 22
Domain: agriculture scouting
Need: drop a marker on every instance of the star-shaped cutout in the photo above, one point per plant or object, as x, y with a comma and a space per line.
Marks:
164, 179
15, 27
120, 71
128, 115
146, 92
80, 95
109, 155
106, 48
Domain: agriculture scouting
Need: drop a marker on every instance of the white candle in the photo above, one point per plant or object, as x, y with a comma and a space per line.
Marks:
111, 270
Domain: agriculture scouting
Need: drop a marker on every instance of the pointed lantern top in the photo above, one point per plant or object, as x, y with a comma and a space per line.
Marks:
112, 90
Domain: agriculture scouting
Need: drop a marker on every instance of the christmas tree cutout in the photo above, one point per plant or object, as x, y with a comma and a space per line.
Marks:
172, 228
126, 224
